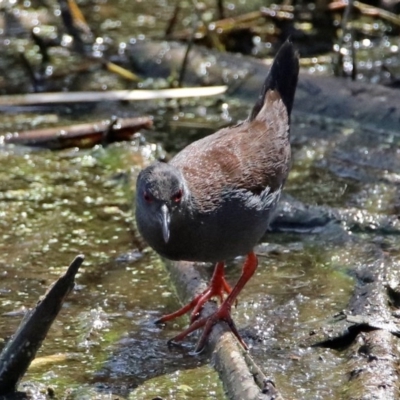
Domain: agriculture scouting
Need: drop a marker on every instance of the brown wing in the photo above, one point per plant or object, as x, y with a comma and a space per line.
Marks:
251, 156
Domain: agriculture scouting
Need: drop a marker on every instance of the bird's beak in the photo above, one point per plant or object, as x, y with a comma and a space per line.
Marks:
165, 222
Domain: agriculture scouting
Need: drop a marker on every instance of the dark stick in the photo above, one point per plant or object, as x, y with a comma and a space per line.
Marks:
108, 134
21, 349
79, 44
353, 58
338, 67
43, 48
173, 20
195, 19
220, 7
31, 73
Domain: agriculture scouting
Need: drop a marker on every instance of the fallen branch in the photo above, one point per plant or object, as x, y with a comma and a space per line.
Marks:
112, 95
82, 135
21, 349
374, 352
242, 378
369, 332
368, 10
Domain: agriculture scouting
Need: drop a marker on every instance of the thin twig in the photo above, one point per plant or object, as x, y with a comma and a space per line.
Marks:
195, 18
338, 68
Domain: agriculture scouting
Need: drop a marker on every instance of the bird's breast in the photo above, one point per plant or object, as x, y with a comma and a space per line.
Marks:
230, 228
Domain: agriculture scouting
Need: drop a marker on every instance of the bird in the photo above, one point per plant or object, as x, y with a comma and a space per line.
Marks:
214, 199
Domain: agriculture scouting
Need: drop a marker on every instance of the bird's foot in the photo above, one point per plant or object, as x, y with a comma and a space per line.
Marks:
224, 311
217, 288
222, 314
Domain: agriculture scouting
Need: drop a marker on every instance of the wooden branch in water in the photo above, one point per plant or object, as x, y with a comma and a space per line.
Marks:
368, 336
112, 95
81, 135
220, 26
21, 349
374, 353
242, 378
368, 10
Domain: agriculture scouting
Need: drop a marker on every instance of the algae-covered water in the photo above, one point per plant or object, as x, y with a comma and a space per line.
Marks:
56, 205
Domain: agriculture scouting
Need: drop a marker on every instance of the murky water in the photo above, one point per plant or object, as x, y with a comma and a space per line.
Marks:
55, 205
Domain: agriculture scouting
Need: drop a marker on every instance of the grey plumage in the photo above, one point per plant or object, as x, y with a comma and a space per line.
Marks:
230, 181
214, 199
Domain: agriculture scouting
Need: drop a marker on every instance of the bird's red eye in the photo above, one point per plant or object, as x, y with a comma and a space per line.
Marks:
147, 197
177, 197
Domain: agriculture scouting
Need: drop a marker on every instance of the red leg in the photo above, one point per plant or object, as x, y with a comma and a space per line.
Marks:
217, 287
223, 313
227, 287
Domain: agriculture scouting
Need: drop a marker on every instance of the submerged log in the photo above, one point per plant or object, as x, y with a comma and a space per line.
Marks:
22, 347
81, 135
367, 332
373, 355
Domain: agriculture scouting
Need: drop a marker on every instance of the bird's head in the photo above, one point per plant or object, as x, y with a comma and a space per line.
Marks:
161, 193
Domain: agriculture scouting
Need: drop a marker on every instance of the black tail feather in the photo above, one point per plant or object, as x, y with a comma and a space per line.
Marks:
281, 77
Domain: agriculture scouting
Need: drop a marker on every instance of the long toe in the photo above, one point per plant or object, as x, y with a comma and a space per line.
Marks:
222, 314
185, 309
207, 295
217, 287
193, 327
196, 305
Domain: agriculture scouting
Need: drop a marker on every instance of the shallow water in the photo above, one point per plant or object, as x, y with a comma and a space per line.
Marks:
55, 205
